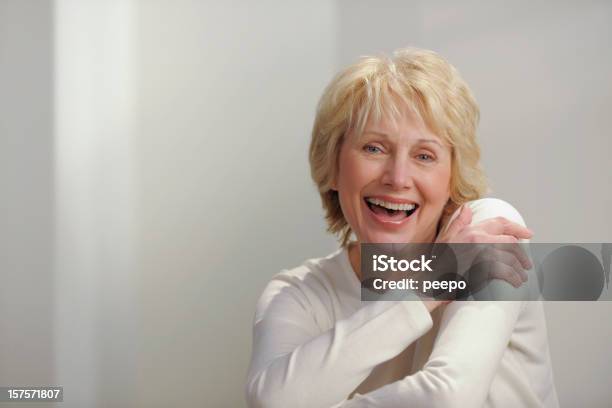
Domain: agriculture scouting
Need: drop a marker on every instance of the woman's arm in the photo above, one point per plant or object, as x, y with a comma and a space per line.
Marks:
469, 346
295, 365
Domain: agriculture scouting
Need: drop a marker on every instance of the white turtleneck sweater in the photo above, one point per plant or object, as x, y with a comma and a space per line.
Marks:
315, 344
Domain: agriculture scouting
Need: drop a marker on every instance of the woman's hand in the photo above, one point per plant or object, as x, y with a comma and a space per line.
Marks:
509, 258
493, 230
431, 305
508, 254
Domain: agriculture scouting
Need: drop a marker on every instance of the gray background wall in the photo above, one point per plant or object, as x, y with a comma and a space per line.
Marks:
26, 193
154, 173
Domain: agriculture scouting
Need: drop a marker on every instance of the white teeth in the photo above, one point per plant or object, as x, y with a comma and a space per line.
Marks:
391, 206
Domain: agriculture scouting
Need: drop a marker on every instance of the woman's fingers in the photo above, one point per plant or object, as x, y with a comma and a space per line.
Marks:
518, 252
510, 244
505, 272
503, 226
511, 259
496, 257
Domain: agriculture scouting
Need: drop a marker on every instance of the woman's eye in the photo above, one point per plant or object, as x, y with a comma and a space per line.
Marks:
372, 149
425, 157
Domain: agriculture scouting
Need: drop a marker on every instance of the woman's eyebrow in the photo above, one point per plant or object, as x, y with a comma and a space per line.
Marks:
374, 132
430, 141
421, 140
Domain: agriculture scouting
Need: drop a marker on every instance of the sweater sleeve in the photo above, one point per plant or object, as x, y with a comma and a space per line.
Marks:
296, 364
468, 349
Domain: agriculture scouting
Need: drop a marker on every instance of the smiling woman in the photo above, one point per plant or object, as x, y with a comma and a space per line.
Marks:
391, 164
367, 105
395, 159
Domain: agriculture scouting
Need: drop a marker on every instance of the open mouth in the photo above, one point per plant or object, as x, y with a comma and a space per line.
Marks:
392, 212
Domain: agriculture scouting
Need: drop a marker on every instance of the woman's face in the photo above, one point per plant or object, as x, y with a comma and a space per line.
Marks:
394, 181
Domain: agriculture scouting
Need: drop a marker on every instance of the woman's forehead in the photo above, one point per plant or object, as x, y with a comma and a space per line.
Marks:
408, 125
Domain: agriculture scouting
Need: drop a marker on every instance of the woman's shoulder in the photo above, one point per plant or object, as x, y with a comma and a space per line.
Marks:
486, 208
316, 269
490, 207
306, 287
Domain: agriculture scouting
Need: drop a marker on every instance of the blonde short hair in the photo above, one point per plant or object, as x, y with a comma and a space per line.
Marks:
380, 87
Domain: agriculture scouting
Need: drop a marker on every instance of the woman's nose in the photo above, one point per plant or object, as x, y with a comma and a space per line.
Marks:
398, 174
